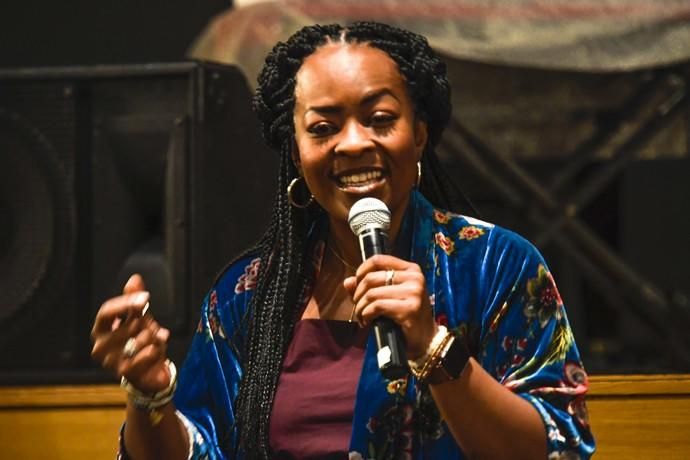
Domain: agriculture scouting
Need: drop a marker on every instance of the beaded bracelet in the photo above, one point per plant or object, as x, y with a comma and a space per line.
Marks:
151, 401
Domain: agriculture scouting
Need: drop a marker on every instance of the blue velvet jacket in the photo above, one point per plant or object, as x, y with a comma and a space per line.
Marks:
486, 283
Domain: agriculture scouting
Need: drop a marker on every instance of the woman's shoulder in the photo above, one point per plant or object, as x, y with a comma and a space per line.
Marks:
456, 220
238, 277
470, 232
226, 302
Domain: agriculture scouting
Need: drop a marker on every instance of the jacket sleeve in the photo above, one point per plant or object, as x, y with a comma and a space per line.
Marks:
527, 343
210, 377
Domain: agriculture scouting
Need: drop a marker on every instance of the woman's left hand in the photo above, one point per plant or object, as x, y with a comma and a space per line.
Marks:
387, 286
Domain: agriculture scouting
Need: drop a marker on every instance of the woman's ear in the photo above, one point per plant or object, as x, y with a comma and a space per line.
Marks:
421, 135
294, 154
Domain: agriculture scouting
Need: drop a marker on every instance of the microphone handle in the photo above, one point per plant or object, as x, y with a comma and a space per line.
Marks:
390, 341
391, 353
372, 241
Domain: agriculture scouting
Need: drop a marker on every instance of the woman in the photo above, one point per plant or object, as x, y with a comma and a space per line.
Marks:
284, 362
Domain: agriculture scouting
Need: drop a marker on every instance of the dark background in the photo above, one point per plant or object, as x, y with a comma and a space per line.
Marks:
77, 32
101, 122
117, 155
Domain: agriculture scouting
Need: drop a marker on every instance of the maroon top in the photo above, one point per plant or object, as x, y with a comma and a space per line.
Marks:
314, 402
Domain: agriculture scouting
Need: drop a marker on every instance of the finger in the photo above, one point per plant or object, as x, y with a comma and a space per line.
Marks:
152, 334
140, 332
132, 313
151, 350
163, 335
153, 326
139, 342
350, 284
395, 309
371, 281
418, 330
411, 292
118, 307
396, 280
134, 283
148, 359
140, 346
144, 369
372, 298
111, 361
109, 349
140, 306
114, 341
381, 262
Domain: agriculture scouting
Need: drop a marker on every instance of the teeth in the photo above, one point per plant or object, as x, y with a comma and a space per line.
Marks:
360, 178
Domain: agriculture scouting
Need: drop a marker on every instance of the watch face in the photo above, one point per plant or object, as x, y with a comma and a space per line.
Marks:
451, 363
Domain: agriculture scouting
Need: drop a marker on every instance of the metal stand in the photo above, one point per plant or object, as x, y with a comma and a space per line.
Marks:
556, 216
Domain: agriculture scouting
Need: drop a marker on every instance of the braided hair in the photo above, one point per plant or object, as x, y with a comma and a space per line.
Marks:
284, 273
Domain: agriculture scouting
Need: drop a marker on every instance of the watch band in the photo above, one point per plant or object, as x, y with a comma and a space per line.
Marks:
451, 363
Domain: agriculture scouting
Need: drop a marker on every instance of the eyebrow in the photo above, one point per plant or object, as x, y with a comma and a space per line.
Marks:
367, 99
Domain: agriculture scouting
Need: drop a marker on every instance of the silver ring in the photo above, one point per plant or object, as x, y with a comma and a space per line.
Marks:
390, 274
130, 348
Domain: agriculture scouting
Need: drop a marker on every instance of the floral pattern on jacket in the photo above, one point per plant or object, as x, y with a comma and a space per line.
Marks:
487, 284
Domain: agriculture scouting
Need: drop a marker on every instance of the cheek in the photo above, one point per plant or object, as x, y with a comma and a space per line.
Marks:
407, 154
305, 152
313, 163
310, 155
405, 173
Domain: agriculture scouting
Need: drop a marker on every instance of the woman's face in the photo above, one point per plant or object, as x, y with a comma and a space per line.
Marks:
355, 129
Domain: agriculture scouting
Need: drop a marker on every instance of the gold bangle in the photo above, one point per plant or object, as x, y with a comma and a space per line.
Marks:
422, 372
441, 332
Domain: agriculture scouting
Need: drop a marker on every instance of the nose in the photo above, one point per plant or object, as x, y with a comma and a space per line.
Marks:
354, 139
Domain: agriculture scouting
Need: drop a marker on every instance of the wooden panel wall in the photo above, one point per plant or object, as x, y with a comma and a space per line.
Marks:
632, 417
60, 423
641, 416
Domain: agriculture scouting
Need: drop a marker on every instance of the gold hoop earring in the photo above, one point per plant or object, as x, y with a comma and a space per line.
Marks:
419, 173
291, 199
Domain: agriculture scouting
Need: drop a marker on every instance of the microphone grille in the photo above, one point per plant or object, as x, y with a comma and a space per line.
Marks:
369, 212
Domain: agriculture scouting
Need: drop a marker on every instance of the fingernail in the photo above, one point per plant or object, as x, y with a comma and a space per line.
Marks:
140, 298
163, 334
145, 309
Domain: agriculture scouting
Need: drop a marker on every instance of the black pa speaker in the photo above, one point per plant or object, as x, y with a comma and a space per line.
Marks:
109, 170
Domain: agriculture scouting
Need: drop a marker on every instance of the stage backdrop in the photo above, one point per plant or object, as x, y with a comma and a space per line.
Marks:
110, 170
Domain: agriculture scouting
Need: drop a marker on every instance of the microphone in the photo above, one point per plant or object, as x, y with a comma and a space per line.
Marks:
370, 220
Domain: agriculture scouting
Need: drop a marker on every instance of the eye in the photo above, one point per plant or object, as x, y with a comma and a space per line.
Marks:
382, 119
321, 129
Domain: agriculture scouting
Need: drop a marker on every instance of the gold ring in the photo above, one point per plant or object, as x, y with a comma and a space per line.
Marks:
390, 274
130, 348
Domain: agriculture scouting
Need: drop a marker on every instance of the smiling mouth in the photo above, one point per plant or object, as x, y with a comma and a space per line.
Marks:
361, 179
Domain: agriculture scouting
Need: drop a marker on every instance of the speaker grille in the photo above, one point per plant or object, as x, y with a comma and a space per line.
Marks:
38, 225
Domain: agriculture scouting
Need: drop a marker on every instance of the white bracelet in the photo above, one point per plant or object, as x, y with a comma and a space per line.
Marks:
441, 333
151, 401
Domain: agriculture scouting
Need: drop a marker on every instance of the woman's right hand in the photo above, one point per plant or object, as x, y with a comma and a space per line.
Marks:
121, 318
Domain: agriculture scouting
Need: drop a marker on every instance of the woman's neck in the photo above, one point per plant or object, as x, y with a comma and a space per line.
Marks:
343, 244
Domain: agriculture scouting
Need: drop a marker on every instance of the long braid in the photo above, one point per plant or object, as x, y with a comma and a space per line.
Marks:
283, 273
280, 282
